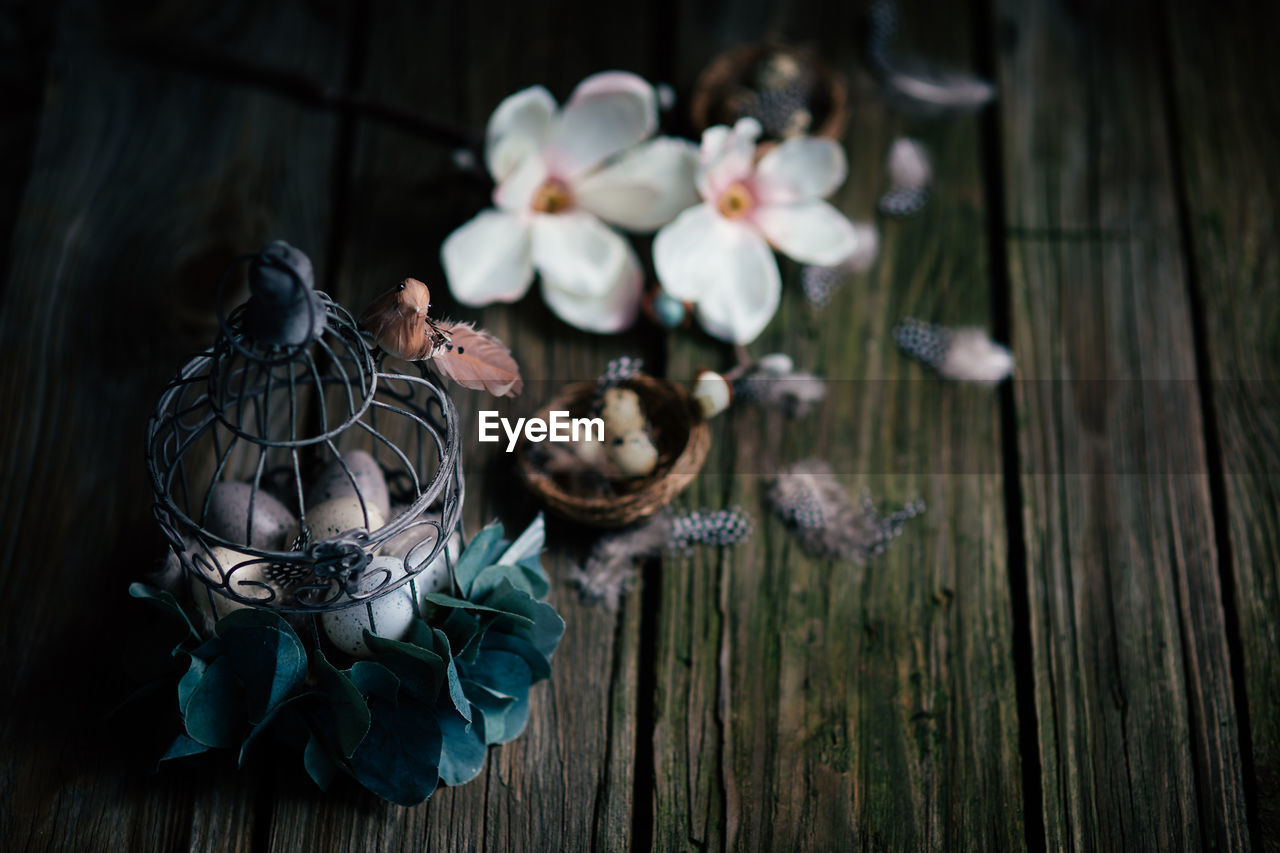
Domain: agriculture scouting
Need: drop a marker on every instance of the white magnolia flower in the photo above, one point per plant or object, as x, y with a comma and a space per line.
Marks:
717, 255
559, 174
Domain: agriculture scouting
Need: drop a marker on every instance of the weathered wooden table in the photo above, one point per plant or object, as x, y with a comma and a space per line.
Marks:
1075, 648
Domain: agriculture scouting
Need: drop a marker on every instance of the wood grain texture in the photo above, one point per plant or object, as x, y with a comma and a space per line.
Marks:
26, 36
820, 705
1137, 727
566, 783
1225, 98
144, 184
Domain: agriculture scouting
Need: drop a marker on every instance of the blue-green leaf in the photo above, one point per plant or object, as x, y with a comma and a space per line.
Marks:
545, 623
320, 767
267, 721
456, 694
373, 679
480, 552
183, 746
489, 578
498, 716
462, 752
190, 679
344, 708
499, 641
528, 544
399, 758
213, 707
443, 600
268, 657
421, 671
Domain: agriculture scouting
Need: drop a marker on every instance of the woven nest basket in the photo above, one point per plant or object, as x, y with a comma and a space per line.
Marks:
679, 432
731, 73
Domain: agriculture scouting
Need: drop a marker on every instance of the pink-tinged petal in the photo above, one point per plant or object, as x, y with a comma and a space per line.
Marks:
727, 159
578, 252
488, 259
607, 114
645, 188
799, 170
612, 311
517, 128
714, 139
515, 194
811, 232
723, 267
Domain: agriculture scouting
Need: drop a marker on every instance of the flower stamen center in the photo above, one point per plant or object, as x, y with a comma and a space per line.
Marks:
736, 201
552, 197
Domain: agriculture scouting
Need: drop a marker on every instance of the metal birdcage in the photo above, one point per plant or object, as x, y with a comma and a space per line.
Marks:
292, 470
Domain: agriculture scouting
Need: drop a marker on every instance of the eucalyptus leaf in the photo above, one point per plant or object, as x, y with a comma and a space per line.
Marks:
494, 642
462, 752
506, 674
456, 694
373, 679
462, 628
490, 709
182, 746
213, 706
320, 767
480, 552
421, 671
190, 679
488, 579
527, 544
535, 579
269, 659
399, 758
258, 729
545, 623
344, 708
443, 600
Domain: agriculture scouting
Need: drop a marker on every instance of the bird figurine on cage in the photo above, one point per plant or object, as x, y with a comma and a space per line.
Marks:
400, 323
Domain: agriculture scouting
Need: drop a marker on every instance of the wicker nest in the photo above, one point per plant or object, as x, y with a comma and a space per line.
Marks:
744, 81
679, 432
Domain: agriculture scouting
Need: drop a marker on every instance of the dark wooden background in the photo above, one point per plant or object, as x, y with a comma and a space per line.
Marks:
1075, 648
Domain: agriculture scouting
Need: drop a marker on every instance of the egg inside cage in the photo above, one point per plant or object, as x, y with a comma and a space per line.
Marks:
293, 472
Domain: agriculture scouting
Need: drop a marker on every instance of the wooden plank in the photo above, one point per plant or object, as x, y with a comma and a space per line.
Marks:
1137, 729
807, 704
1225, 98
567, 781
26, 36
145, 182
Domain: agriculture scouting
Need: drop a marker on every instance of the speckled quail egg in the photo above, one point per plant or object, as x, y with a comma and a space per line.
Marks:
229, 516
340, 515
712, 393
244, 580
334, 482
622, 412
389, 615
633, 454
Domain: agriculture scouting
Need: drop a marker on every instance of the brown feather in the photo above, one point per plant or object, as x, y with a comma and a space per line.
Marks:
398, 320
476, 359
